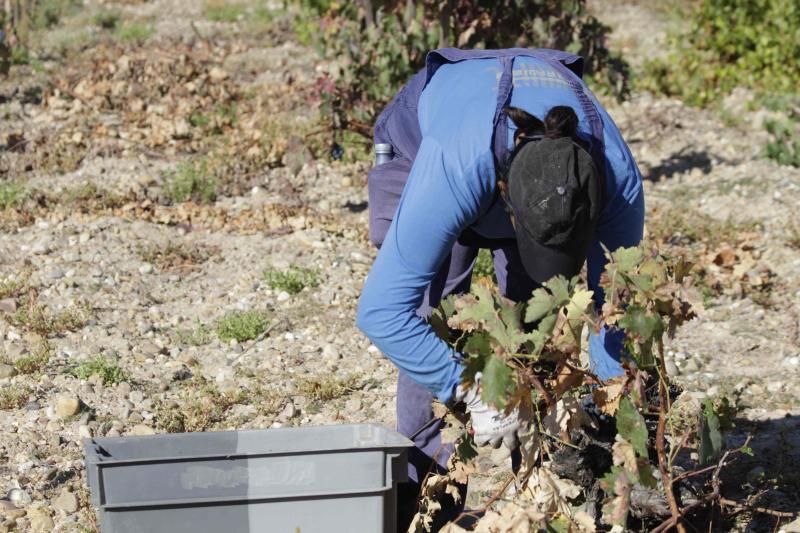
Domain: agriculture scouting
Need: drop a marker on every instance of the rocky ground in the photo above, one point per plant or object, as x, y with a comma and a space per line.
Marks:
112, 295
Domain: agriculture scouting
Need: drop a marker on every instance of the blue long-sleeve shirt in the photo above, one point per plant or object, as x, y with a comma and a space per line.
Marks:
452, 186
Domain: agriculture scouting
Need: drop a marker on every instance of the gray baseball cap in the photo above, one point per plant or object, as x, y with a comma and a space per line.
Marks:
556, 195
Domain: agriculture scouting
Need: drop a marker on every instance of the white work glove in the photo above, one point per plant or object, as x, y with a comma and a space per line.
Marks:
490, 425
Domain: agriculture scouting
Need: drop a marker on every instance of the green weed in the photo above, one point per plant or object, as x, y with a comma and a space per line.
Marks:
784, 148
35, 317
176, 256
484, 266
198, 336
327, 388
292, 280
191, 181
10, 195
199, 406
14, 396
221, 11
106, 19
109, 371
132, 31
242, 325
35, 362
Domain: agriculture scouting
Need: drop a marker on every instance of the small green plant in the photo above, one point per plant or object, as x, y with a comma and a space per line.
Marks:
242, 325
200, 406
14, 396
222, 11
35, 362
292, 280
785, 145
133, 31
35, 317
327, 388
109, 371
176, 256
191, 181
198, 336
484, 266
106, 19
10, 195
12, 288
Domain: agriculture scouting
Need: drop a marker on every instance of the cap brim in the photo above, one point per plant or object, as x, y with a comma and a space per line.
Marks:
542, 263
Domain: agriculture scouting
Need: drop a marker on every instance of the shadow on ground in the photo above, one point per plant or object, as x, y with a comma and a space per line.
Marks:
678, 163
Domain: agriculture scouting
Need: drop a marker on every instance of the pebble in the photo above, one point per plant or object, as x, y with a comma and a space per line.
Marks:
66, 502
146, 268
84, 431
19, 496
67, 405
8, 305
283, 296
7, 371
672, 368
774, 386
289, 411
139, 430
40, 521
353, 405
792, 362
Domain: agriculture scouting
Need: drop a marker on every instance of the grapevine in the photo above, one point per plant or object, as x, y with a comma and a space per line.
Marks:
635, 426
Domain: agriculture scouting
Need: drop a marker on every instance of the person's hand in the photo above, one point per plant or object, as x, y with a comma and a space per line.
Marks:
490, 425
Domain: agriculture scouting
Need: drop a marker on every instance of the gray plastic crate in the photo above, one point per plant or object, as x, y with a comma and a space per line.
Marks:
311, 479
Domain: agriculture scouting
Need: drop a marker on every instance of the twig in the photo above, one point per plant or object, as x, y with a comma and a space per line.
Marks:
743, 507
586, 373
488, 504
259, 339
666, 474
539, 387
710, 497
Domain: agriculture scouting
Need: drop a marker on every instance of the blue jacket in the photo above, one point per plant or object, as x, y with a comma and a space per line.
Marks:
452, 186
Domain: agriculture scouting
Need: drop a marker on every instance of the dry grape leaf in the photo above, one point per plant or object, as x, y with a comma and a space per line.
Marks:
607, 398
565, 415
548, 493
567, 379
618, 486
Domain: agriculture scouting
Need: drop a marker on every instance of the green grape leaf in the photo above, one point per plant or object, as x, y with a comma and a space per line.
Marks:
638, 323
642, 282
472, 365
473, 310
631, 426
710, 433
547, 324
540, 304
559, 287
627, 259
496, 382
465, 449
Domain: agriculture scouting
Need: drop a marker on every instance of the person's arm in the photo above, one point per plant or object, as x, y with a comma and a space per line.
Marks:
622, 224
436, 205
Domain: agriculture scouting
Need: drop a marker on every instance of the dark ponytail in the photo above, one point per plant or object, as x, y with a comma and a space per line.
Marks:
561, 121
526, 124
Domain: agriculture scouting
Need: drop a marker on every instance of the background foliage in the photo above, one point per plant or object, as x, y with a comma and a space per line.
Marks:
726, 44
377, 46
